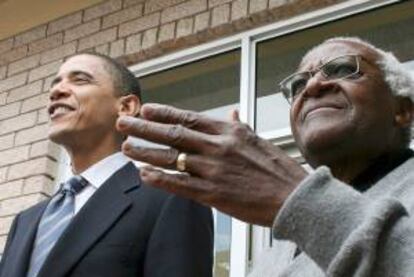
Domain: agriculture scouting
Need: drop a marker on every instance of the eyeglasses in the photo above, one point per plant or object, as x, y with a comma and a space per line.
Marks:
342, 67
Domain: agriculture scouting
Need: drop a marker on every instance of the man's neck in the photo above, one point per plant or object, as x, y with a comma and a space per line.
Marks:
83, 158
349, 168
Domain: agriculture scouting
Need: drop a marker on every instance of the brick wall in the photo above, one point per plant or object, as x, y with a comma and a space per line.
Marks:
131, 30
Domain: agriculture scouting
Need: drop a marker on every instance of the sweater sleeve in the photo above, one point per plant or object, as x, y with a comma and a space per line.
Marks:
345, 232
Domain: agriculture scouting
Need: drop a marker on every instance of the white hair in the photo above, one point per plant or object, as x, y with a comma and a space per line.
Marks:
398, 78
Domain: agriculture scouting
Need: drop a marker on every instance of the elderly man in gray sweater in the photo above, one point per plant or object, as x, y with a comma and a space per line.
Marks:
351, 114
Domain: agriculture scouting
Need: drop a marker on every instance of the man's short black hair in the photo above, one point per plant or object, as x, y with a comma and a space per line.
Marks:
124, 81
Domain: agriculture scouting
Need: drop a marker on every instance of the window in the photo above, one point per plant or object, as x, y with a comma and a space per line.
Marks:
210, 86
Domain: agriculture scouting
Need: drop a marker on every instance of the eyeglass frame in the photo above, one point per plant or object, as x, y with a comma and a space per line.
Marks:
312, 73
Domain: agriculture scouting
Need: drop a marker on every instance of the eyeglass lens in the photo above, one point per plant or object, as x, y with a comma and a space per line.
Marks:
338, 68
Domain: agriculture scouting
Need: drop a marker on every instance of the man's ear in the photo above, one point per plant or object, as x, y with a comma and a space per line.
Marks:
404, 112
129, 105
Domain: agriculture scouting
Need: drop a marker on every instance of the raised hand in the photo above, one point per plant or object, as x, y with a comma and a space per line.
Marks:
226, 165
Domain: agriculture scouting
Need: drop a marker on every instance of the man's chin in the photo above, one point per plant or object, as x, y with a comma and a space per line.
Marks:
58, 136
323, 139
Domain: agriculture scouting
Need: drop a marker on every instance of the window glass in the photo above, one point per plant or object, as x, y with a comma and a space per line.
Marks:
210, 86
389, 28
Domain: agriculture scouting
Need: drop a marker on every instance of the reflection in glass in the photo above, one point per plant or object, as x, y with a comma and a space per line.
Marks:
210, 86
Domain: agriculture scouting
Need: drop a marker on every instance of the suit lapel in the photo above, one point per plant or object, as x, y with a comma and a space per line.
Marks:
105, 207
18, 259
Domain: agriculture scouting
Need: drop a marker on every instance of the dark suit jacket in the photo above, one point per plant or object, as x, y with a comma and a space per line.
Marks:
125, 229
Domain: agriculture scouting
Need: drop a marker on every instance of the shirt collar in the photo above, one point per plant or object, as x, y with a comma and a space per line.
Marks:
98, 173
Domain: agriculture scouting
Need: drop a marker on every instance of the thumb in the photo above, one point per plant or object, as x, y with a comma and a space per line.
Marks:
234, 114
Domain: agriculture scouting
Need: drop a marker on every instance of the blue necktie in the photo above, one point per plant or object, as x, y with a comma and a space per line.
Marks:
54, 221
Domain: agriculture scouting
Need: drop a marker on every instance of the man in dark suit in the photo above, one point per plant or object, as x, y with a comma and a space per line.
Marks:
106, 222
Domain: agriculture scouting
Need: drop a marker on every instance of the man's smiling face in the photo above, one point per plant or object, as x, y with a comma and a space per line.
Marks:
83, 101
332, 117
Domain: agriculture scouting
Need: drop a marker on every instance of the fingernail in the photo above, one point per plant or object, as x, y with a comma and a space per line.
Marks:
146, 110
126, 147
125, 121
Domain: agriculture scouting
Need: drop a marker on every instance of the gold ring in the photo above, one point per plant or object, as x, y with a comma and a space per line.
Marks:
181, 159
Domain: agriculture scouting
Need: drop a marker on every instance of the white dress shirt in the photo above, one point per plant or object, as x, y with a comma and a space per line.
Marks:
97, 174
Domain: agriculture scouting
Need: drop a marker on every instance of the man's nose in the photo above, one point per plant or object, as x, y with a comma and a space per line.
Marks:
317, 85
58, 91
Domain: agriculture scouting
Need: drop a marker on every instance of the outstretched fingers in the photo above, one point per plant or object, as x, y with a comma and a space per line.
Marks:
176, 136
189, 119
181, 184
167, 158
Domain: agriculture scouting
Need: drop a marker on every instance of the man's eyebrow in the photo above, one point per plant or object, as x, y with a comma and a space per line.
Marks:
71, 75
80, 72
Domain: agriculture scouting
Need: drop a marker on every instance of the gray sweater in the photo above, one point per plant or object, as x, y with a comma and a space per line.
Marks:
343, 232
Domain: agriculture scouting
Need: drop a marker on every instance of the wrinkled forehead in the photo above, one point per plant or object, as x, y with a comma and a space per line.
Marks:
90, 64
330, 50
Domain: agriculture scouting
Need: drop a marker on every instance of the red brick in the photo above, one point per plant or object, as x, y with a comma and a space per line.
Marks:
18, 123
149, 38
184, 27
64, 23
183, 10
105, 8
202, 21
6, 45
97, 39
82, 30
213, 3
166, 32
117, 48
59, 52
133, 44
139, 24
122, 16
220, 15
257, 6
29, 36
23, 64
13, 55
239, 9
13, 82
129, 3
102, 49
157, 5
44, 70
44, 44
25, 92
9, 110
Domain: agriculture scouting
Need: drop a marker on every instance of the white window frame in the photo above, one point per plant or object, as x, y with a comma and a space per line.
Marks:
247, 41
